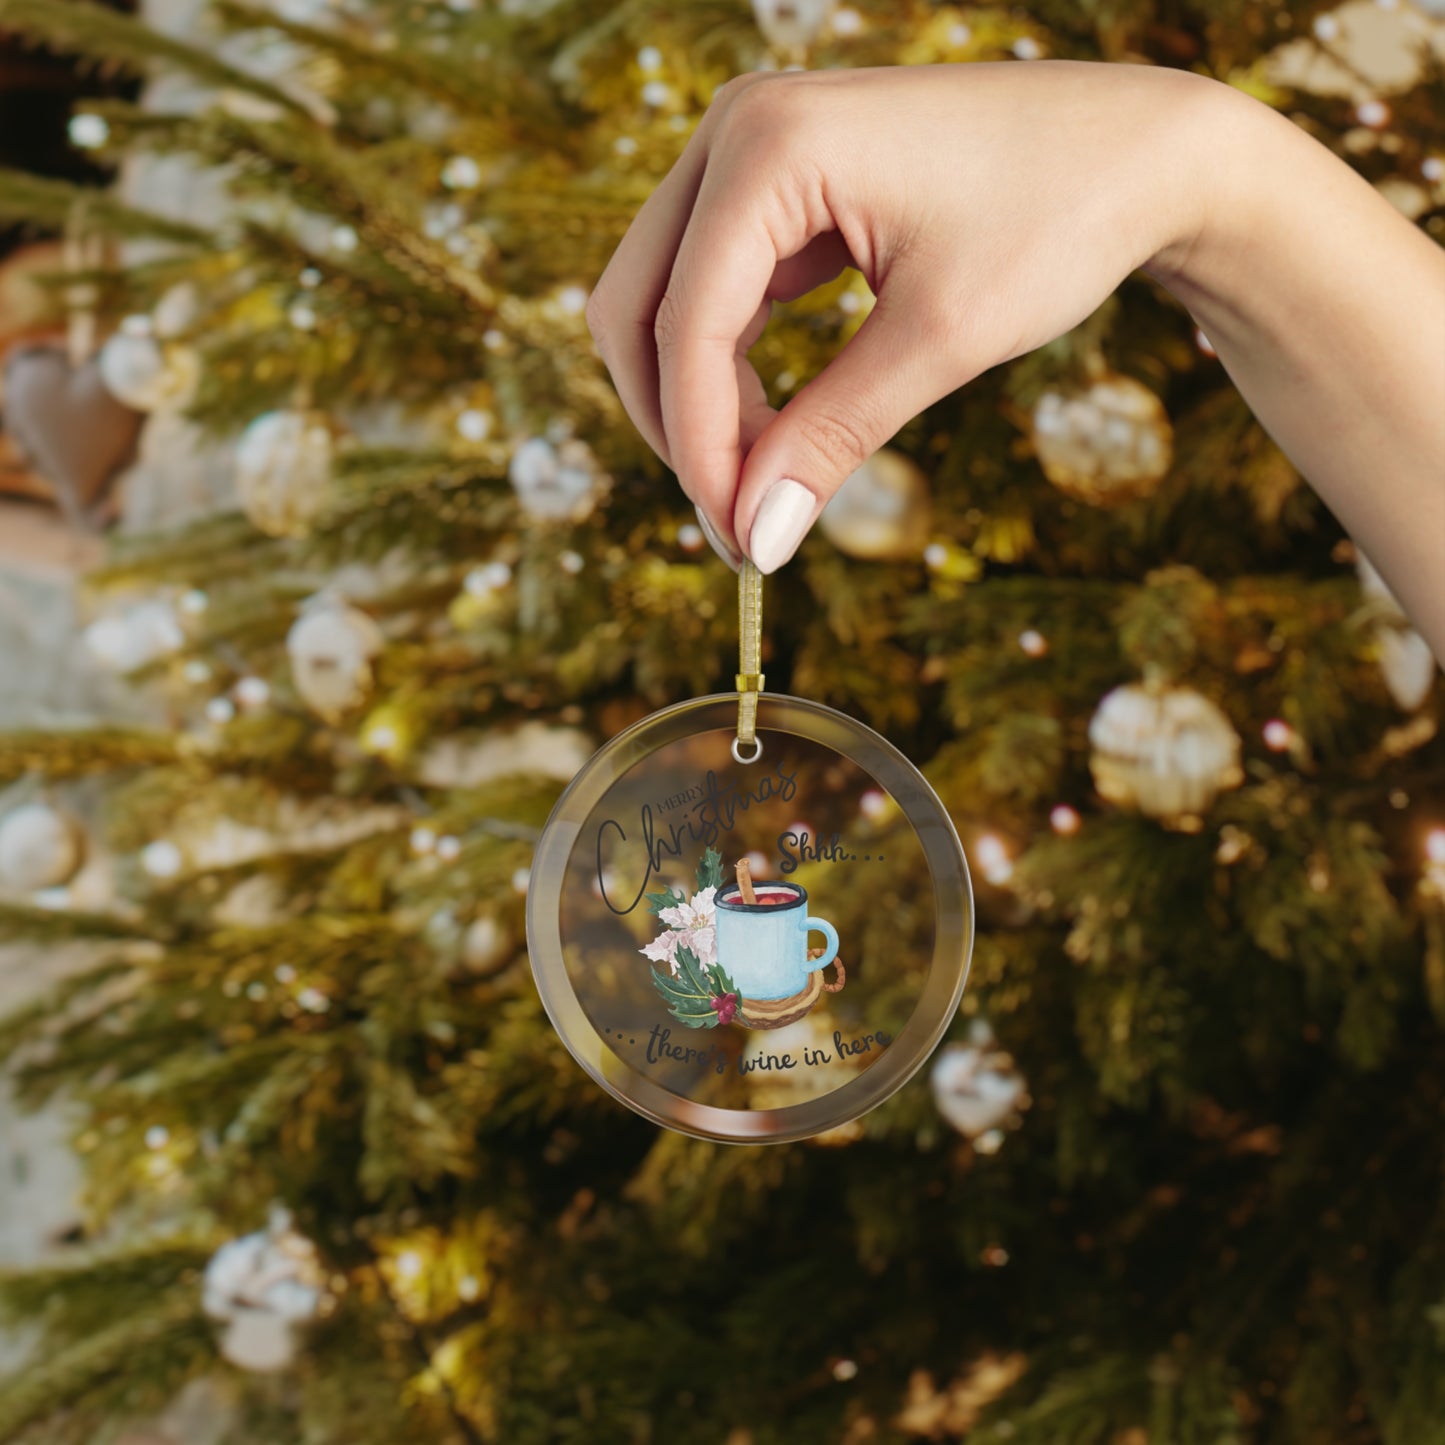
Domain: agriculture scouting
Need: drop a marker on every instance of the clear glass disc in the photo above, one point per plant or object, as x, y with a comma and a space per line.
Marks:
761, 1018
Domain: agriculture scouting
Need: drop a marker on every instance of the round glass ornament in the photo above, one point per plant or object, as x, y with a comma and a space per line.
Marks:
763, 1018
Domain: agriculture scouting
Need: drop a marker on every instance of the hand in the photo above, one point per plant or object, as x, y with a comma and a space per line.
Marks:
990, 207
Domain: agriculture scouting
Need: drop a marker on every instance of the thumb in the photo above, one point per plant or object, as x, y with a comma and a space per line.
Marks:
902, 359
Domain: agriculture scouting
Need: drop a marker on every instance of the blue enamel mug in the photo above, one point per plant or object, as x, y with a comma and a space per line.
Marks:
763, 947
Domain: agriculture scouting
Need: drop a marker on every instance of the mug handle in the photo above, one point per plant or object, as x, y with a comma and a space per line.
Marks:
821, 925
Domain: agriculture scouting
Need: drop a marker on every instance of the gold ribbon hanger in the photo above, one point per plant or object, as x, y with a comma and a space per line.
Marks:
750, 659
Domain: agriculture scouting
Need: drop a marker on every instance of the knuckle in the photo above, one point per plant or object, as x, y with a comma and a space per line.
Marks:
727, 94
667, 325
595, 315
841, 440
761, 111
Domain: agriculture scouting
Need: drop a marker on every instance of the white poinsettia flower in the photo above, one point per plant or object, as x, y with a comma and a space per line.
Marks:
663, 948
703, 942
698, 913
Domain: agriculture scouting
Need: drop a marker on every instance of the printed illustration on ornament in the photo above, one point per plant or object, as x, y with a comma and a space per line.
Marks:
738, 952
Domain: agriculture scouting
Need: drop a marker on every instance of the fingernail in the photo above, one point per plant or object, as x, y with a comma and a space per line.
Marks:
716, 542
781, 524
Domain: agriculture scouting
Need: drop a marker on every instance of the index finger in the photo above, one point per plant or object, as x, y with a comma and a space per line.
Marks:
735, 239
623, 306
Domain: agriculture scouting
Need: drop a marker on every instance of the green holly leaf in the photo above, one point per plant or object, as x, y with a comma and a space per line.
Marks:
669, 898
720, 982
689, 995
709, 871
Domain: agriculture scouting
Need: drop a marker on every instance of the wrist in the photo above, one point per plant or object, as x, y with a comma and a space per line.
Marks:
1220, 144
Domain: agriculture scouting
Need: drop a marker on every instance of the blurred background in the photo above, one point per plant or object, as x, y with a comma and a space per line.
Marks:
328, 555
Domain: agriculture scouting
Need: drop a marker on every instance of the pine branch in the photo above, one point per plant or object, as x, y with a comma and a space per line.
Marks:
59, 754
52, 204
122, 42
505, 92
128, 1367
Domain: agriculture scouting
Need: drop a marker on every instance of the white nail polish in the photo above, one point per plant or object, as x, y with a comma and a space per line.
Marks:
781, 524
716, 542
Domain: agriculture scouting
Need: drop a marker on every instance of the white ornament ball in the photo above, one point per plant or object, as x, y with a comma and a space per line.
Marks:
136, 637
792, 24
331, 647
976, 1088
264, 1287
40, 847
1167, 751
177, 310
554, 483
148, 374
259, 1342
1408, 665
1406, 662
882, 512
1110, 443
486, 946
283, 470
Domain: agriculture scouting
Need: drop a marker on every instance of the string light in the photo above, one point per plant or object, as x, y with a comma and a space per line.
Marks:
1064, 820
449, 849
490, 577
313, 1000
161, 859
461, 173
474, 425
572, 299
380, 738
993, 858
253, 692
88, 132
1278, 734
1033, 642
423, 840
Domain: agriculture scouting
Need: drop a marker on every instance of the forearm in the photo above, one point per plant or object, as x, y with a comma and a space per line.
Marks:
1327, 309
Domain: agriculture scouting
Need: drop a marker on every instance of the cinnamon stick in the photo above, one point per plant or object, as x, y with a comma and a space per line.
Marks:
745, 881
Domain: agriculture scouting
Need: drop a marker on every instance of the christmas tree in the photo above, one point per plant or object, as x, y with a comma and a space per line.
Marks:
1176, 1176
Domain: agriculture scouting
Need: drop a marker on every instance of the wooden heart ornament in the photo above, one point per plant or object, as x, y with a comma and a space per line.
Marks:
69, 426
